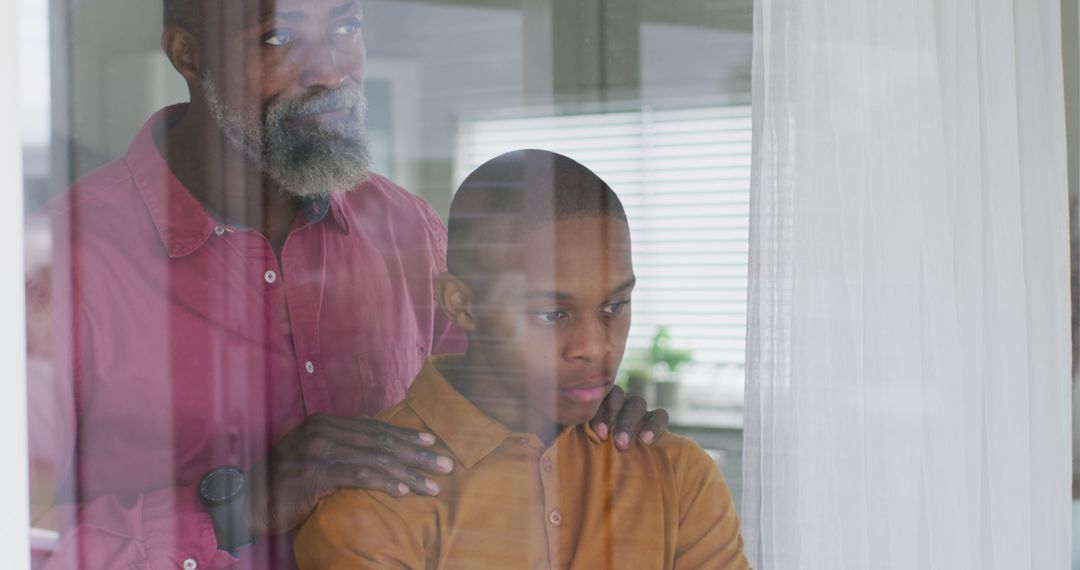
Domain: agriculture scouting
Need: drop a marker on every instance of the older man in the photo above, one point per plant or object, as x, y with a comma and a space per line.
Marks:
230, 299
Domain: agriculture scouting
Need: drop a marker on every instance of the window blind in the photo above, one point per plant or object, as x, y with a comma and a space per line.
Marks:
684, 178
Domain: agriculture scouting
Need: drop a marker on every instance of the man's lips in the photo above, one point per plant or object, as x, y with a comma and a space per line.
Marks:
591, 390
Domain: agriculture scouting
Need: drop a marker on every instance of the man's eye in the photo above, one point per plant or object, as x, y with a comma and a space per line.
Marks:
348, 28
278, 38
550, 317
615, 308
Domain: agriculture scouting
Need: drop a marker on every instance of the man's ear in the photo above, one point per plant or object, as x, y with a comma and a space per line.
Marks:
183, 50
455, 298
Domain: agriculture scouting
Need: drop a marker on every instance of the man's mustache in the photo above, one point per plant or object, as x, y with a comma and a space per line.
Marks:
320, 102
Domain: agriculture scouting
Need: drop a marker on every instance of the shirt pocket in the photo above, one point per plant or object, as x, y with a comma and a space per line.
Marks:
386, 377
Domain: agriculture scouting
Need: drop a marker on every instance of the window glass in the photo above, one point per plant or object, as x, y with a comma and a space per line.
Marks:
229, 272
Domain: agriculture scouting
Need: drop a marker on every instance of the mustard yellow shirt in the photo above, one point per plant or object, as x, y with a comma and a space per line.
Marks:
512, 502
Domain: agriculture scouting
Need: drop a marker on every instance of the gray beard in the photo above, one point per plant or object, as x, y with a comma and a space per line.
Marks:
306, 161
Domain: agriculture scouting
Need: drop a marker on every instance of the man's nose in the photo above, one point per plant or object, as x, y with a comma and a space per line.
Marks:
590, 342
322, 68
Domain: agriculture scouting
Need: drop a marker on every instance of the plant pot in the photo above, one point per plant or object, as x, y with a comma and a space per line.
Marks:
667, 394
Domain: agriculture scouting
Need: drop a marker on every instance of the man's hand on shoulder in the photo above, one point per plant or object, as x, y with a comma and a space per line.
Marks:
630, 416
325, 454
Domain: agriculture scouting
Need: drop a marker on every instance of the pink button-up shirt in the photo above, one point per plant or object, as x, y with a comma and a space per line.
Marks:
179, 344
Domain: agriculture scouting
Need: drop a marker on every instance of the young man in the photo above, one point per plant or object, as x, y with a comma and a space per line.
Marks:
540, 276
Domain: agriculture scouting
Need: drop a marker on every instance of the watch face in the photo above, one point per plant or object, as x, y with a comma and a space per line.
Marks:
221, 485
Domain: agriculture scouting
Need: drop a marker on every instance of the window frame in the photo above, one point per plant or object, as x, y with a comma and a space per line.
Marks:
14, 482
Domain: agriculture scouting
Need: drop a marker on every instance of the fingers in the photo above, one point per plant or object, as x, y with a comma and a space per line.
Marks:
656, 424
350, 437
630, 418
368, 454
410, 478
351, 476
378, 471
396, 451
325, 454
423, 439
609, 409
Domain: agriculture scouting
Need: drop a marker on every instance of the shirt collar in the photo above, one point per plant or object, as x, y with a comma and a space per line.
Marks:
336, 206
183, 223
470, 434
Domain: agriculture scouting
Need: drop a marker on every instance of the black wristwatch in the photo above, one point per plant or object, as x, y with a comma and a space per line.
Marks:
223, 492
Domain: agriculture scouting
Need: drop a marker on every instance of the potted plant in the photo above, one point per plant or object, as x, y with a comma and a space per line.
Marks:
666, 362
639, 382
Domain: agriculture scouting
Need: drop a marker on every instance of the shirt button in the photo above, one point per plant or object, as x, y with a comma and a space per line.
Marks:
190, 564
270, 276
523, 440
555, 517
310, 367
546, 463
220, 230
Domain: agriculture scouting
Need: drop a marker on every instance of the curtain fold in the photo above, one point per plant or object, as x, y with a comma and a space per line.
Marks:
908, 353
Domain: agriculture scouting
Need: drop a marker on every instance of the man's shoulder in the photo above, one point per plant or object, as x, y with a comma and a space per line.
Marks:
684, 455
358, 522
366, 521
378, 183
400, 415
101, 211
672, 455
396, 219
383, 193
101, 189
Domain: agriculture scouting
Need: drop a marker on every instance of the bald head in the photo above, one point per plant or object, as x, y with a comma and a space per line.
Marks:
514, 193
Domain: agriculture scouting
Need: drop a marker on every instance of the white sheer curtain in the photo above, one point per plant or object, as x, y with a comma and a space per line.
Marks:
909, 345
